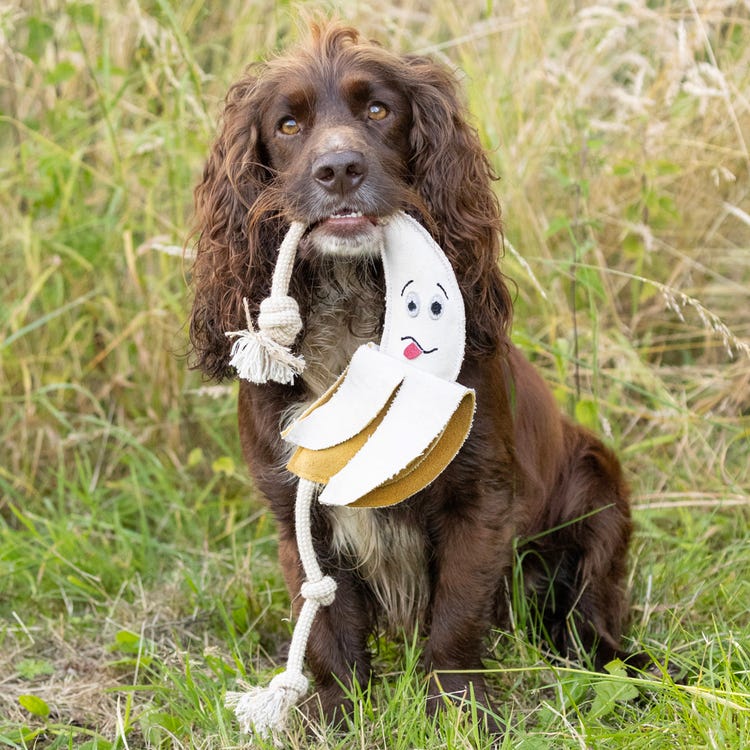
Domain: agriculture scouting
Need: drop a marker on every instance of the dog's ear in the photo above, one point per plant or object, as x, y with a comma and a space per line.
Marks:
229, 249
453, 177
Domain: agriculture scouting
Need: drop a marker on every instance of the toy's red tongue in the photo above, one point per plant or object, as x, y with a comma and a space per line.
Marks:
412, 351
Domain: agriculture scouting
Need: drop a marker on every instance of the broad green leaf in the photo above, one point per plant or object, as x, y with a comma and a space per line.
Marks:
34, 705
587, 413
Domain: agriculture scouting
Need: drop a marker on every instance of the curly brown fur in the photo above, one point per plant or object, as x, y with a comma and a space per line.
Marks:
244, 201
340, 133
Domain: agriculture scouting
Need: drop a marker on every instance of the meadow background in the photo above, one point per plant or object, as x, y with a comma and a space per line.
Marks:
138, 578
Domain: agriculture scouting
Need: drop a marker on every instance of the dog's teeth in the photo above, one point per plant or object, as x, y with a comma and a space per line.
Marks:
350, 215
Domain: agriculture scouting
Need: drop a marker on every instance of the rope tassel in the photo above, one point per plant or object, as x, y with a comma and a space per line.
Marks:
259, 355
265, 711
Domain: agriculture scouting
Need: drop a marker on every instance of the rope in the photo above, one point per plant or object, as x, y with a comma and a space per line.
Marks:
264, 354
266, 710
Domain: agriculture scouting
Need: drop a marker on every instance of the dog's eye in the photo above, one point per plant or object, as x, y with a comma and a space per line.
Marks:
436, 308
289, 126
377, 111
412, 304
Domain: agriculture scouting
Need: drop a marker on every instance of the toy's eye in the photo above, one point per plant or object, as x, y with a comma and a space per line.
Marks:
377, 111
289, 126
412, 304
436, 308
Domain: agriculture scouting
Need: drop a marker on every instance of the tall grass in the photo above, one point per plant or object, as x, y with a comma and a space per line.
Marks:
137, 565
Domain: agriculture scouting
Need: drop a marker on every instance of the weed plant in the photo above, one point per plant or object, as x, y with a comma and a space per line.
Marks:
138, 573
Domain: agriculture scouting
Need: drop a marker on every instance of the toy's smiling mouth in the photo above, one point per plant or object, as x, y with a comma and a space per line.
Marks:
414, 349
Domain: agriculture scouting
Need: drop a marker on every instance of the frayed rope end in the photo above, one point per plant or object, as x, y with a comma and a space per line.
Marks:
262, 355
263, 711
258, 358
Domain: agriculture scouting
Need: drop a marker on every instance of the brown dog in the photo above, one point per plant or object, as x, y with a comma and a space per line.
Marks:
339, 134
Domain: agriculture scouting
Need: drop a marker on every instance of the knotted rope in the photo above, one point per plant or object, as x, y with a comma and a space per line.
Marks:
265, 710
264, 354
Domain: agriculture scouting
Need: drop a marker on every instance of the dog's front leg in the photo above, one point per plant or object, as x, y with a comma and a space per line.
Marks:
337, 653
473, 553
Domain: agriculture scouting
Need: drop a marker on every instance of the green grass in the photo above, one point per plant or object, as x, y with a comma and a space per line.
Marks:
138, 573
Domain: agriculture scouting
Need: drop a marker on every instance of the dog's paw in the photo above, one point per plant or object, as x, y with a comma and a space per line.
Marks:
446, 688
328, 706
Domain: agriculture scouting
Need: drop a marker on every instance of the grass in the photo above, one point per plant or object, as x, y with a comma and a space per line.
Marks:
138, 578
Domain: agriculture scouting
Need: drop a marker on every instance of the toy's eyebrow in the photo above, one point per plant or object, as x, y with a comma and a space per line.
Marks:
411, 281
442, 290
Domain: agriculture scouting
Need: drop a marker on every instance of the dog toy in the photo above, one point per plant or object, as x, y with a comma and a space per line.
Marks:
264, 354
385, 430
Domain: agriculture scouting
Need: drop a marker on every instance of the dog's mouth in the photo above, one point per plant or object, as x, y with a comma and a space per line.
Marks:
347, 232
345, 222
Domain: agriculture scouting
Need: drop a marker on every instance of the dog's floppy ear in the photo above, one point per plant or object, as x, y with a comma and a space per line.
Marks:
453, 177
229, 252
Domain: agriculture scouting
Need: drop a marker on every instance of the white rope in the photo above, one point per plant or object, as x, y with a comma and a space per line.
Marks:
282, 274
264, 354
265, 710
259, 357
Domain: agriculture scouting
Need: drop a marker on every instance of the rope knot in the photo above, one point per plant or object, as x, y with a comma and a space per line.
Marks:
291, 680
322, 591
279, 318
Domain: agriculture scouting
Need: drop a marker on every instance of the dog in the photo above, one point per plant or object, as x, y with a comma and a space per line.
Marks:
340, 133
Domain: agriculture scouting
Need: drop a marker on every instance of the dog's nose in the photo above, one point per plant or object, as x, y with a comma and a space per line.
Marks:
340, 172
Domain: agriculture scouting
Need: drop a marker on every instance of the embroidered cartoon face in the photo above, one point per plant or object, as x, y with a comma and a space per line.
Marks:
424, 319
416, 307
